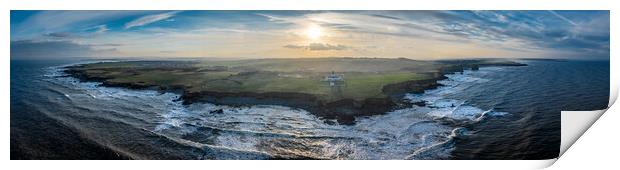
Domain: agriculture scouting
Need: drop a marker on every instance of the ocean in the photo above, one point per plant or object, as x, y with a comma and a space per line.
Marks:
491, 113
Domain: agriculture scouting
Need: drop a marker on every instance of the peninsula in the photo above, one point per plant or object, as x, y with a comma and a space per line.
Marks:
331, 88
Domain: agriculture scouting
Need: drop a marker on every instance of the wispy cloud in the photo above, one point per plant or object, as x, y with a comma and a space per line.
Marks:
150, 19
319, 47
64, 21
58, 35
563, 18
100, 29
167, 51
30, 49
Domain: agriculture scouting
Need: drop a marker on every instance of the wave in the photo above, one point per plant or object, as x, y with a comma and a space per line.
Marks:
437, 149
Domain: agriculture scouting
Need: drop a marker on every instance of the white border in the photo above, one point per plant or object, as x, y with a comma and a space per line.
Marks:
577, 157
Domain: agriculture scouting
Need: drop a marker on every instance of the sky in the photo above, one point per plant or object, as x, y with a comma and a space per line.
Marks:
423, 35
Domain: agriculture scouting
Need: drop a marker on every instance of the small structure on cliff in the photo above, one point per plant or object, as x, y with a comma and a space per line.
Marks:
334, 79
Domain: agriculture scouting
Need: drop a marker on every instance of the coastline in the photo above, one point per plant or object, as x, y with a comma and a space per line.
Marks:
344, 111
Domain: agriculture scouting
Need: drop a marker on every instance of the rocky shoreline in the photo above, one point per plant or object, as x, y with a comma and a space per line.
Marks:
343, 111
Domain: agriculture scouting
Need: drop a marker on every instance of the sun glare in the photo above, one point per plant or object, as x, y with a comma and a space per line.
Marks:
313, 32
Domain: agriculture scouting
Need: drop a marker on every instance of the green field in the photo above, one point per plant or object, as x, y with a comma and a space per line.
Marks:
363, 77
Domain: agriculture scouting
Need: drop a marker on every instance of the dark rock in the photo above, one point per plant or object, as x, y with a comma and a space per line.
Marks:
218, 111
420, 103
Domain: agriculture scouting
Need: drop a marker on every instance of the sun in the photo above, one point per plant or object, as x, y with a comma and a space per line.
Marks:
314, 32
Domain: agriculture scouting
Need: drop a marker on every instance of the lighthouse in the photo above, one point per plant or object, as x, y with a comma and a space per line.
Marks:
334, 78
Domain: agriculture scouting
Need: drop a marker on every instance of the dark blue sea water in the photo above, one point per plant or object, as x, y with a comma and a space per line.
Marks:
534, 96
493, 113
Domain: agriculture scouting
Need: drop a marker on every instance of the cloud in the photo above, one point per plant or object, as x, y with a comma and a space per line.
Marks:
168, 51
64, 21
385, 16
100, 29
150, 19
562, 17
107, 45
318, 47
58, 35
295, 46
30, 49
273, 18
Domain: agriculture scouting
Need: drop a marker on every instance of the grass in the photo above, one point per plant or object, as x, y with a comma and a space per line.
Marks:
364, 78
359, 86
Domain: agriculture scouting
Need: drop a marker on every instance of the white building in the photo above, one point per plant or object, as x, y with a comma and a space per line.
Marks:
334, 78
